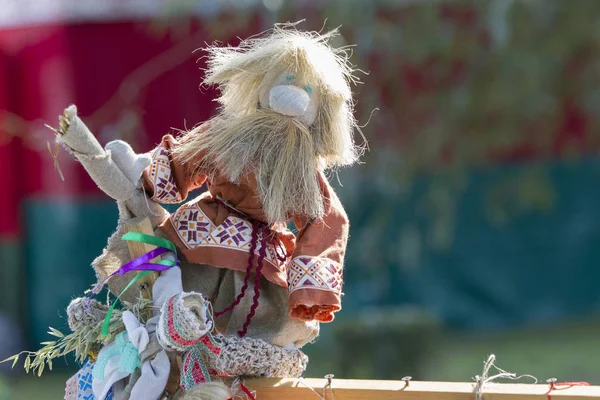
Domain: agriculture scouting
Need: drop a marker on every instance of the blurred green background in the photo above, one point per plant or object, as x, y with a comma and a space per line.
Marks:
475, 220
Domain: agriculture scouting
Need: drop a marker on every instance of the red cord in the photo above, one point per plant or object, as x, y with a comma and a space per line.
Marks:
261, 258
248, 392
245, 390
258, 228
564, 386
253, 242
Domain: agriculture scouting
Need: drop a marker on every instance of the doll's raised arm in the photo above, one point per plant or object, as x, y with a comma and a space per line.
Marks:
315, 272
166, 179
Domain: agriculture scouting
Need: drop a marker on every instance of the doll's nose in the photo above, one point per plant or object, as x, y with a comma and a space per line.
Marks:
289, 100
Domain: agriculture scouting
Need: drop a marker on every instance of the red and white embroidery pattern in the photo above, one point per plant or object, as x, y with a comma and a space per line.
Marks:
162, 179
306, 272
195, 229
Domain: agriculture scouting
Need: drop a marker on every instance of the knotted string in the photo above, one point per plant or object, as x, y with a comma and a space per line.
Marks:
238, 386
322, 396
502, 374
563, 386
247, 391
329, 385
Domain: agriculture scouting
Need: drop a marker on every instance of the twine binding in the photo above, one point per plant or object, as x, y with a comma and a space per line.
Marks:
502, 374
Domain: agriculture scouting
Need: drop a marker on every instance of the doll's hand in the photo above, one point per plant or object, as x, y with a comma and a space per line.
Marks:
131, 164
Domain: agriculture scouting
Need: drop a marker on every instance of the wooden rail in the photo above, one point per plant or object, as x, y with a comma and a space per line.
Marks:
344, 389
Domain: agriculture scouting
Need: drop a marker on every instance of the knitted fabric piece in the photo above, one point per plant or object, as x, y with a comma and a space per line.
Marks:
183, 321
184, 326
255, 357
194, 369
83, 312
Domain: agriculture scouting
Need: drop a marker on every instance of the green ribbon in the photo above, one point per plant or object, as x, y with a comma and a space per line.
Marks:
149, 239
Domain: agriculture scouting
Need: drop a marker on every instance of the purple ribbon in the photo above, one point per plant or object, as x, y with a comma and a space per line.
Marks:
137, 264
141, 263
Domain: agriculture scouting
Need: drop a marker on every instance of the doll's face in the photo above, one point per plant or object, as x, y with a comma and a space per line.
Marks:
290, 96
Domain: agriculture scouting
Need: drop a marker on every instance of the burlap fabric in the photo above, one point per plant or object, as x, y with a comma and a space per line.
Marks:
271, 322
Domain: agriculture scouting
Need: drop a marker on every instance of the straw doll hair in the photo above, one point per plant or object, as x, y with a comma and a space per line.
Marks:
284, 152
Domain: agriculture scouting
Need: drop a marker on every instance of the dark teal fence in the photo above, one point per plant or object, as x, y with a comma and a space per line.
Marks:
538, 267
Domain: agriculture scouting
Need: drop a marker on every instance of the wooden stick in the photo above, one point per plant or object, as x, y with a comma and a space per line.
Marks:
345, 389
141, 225
136, 249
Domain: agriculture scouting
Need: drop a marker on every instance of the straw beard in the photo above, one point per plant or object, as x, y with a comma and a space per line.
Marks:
278, 149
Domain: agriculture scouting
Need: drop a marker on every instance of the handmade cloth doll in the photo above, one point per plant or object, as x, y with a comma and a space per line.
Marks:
286, 117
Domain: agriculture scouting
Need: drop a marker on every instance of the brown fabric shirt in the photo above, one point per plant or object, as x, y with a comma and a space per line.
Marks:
216, 229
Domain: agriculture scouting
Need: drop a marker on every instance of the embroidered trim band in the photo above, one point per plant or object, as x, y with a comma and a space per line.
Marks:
162, 179
317, 273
